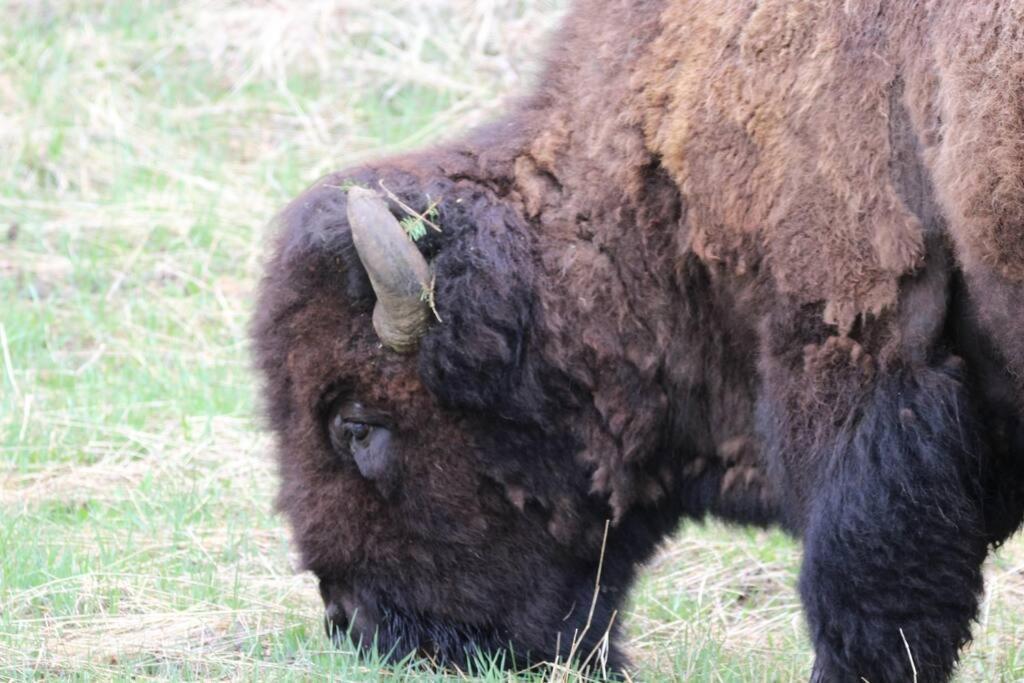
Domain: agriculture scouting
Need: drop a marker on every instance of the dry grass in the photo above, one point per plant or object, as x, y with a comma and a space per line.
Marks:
145, 146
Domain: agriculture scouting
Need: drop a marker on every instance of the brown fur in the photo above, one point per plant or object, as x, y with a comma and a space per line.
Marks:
672, 281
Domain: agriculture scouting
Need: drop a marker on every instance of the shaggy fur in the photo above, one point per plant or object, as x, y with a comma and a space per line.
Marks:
759, 260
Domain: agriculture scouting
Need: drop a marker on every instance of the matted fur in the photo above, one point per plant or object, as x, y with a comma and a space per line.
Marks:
761, 260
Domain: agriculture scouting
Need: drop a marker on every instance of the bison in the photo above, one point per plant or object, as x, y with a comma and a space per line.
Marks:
756, 259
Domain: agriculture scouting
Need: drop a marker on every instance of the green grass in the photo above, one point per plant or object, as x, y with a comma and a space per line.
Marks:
145, 145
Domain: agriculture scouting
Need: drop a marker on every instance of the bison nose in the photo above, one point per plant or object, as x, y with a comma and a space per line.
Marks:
346, 616
335, 622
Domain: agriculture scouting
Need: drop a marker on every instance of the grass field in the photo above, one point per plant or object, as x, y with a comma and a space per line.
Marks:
143, 147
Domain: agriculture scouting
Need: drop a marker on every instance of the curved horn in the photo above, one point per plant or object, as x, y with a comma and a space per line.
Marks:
398, 272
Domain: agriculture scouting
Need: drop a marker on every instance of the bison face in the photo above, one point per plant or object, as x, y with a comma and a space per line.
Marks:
437, 494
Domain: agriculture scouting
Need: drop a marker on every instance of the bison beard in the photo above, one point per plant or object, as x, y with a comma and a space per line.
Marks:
399, 633
765, 264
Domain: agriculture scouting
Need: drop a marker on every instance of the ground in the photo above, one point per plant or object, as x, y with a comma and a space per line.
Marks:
144, 147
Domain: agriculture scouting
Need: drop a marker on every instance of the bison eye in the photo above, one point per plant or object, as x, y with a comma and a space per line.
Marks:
347, 434
363, 436
356, 431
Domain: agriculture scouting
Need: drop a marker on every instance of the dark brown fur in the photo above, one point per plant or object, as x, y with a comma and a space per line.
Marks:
761, 260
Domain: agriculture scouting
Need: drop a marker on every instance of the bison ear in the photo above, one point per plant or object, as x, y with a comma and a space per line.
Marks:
485, 355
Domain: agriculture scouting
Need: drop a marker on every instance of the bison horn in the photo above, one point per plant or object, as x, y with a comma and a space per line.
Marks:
398, 272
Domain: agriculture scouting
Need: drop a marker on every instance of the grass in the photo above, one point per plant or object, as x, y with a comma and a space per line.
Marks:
145, 144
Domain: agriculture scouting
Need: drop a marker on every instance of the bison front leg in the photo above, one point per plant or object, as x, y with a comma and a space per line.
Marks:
883, 465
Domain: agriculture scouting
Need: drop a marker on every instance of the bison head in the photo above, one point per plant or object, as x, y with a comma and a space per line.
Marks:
438, 491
